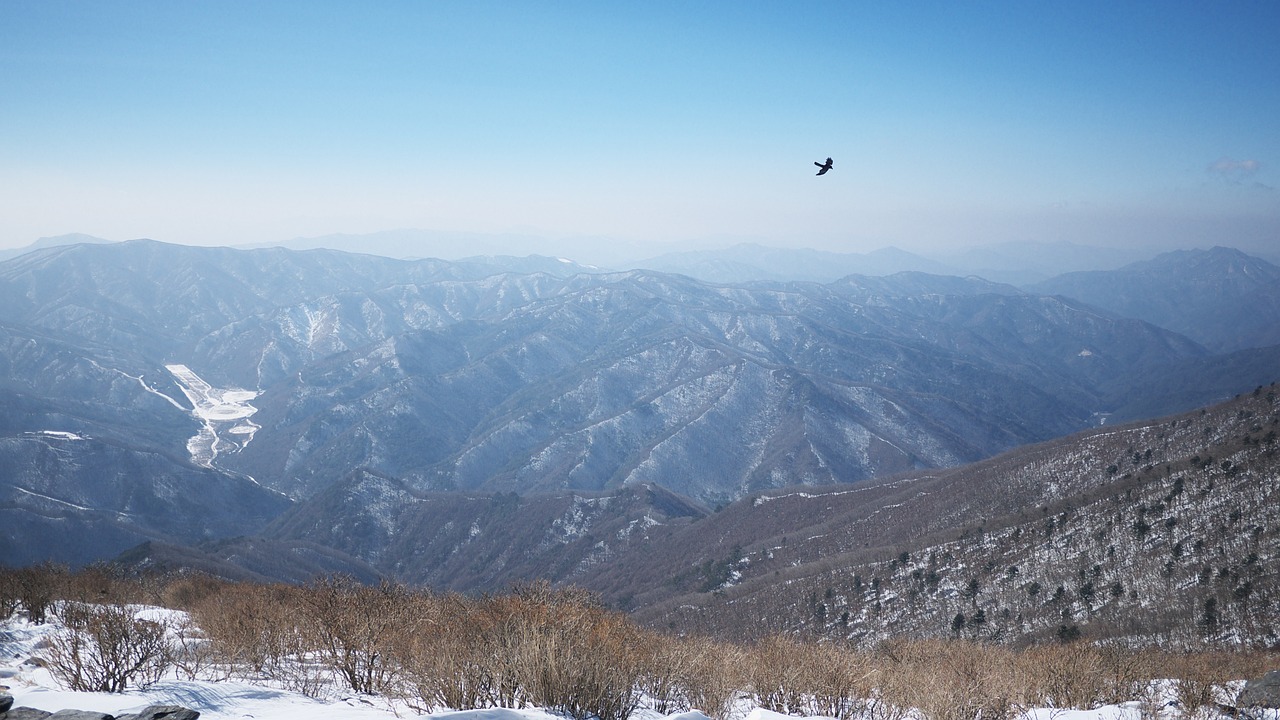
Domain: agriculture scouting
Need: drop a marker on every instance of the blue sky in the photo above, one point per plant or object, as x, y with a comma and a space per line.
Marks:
667, 123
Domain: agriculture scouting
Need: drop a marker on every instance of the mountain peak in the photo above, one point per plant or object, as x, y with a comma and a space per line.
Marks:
1223, 298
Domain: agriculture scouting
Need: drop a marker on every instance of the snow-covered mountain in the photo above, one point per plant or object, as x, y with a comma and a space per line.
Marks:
1221, 297
446, 377
1130, 531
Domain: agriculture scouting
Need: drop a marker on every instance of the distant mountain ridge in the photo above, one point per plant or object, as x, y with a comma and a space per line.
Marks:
748, 262
1221, 297
1018, 263
1022, 263
48, 242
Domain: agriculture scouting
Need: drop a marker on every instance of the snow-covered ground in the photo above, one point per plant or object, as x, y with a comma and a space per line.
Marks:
33, 685
225, 413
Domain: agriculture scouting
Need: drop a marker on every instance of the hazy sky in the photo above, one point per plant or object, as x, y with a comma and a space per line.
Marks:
950, 123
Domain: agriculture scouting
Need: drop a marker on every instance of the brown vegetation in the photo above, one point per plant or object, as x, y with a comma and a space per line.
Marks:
559, 649
107, 648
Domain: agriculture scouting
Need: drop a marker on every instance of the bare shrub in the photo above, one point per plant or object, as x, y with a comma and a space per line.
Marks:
1200, 683
561, 650
104, 648
103, 583
569, 654
237, 620
1123, 671
713, 678
1077, 676
184, 592
259, 632
194, 655
445, 656
1150, 699
37, 587
795, 677
1068, 675
354, 625
838, 682
9, 600
776, 666
552, 648
947, 680
666, 660
693, 674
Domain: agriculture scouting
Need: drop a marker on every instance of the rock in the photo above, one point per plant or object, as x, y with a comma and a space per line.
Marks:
151, 712
1263, 692
6, 702
161, 712
26, 713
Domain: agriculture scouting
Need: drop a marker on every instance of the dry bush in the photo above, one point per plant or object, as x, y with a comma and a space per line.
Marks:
9, 601
183, 592
796, 677
839, 682
105, 648
1123, 671
948, 680
1149, 696
353, 625
776, 665
716, 678
194, 656
1237, 664
1071, 675
237, 620
666, 660
35, 588
561, 650
102, 583
445, 655
569, 654
693, 674
258, 631
1201, 682
554, 649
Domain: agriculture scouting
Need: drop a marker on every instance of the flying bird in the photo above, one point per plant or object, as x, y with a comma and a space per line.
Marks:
823, 167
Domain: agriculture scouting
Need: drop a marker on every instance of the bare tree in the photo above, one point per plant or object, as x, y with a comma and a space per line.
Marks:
105, 648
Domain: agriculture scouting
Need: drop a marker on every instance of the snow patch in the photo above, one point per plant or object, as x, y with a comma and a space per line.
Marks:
54, 434
224, 413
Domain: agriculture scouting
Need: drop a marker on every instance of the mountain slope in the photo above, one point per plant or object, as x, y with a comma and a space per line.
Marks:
1161, 531
1222, 298
79, 499
637, 377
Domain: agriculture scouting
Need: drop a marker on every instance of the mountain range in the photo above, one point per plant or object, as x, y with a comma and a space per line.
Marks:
1159, 532
385, 416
